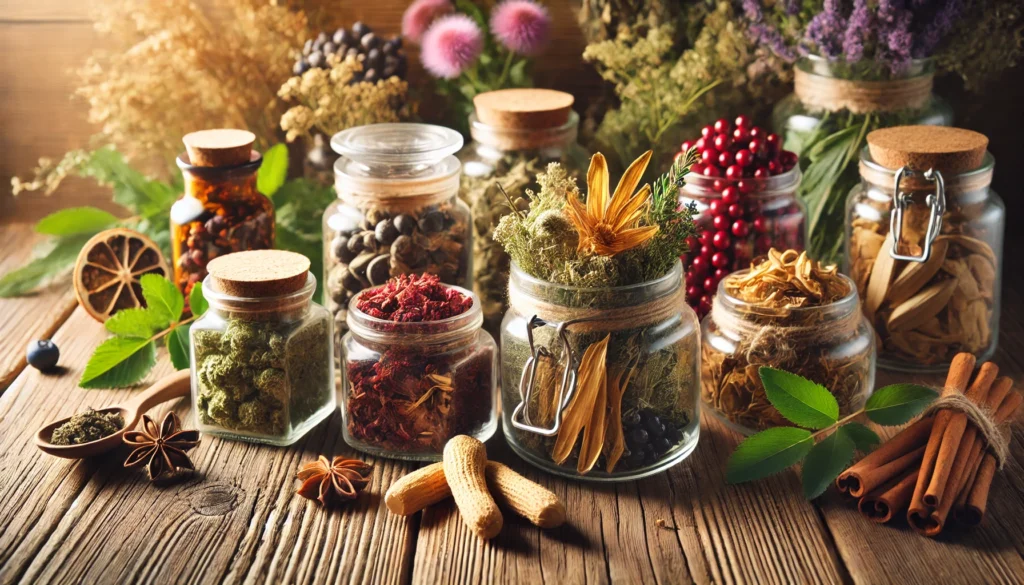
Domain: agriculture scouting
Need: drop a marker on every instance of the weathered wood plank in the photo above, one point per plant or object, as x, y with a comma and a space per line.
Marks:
32, 317
237, 520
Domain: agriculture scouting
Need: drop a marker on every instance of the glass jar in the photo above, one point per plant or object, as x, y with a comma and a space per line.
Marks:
262, 367
220, 212
768, 215
833, 106
397, 212
411, 386
552, 342
511, 157
940, 295
831, 344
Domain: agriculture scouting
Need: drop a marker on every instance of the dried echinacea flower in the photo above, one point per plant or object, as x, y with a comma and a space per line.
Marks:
161, 449
340, 479
609, 226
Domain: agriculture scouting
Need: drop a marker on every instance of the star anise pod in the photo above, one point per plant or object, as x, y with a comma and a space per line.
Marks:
340, 479
161, 449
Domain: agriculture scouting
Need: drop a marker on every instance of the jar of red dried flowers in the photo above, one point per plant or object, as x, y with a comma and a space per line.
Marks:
419, 369
221, 210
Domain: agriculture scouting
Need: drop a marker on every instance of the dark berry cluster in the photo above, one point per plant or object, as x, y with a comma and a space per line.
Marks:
648, 438
381, 58
736, 158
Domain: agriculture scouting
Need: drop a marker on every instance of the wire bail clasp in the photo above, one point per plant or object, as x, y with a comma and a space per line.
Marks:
527, 384
900, 200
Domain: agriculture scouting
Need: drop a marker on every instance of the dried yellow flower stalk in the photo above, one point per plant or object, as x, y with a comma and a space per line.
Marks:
590, 398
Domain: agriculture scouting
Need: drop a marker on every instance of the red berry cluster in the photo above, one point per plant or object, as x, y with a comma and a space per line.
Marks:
736, 157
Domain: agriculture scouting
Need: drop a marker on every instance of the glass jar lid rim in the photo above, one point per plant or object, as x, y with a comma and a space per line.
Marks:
364, 324
397, 143
674, 272
851, 297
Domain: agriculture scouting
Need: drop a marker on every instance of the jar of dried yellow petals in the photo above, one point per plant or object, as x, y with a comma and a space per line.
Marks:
924, 245
791, 313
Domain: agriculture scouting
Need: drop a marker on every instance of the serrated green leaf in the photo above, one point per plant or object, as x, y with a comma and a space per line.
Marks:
864, 438
273, 171
119, 362
162, 297
136, 322
825, 461
178, 346
898, 403
76, 220
768, 453
48, 262
196, 301
801, 401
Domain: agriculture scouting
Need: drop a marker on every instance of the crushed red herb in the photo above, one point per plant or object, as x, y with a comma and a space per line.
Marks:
409, 298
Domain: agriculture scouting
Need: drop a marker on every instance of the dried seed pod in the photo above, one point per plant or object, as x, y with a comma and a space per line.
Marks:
524, 497
417, 490
464, 461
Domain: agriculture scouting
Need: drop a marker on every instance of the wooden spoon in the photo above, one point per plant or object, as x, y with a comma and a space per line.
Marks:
174, 386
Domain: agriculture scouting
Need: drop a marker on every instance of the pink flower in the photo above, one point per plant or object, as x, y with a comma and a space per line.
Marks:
451, 45
522, 26
420, 15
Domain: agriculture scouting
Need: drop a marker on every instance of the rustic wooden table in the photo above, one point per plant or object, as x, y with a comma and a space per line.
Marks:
238, 518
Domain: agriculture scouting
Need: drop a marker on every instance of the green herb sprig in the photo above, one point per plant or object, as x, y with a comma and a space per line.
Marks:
125, 359
815, 411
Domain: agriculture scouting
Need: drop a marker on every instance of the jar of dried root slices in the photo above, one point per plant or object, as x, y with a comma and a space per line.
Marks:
787, 312
924, 245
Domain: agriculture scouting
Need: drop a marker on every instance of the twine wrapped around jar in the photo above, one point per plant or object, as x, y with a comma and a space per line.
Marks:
592, 319
860, 96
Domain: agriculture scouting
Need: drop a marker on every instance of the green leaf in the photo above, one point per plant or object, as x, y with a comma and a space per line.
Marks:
196, 301
898, 403
800, 400
178, 346
76, 220
136, 322
826, 461
141, 195
273, 171
864, 438
119, 362
49, 262
162, 297
768, 453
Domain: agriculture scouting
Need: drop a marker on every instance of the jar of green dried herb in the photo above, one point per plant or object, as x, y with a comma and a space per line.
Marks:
262, 367
516, 134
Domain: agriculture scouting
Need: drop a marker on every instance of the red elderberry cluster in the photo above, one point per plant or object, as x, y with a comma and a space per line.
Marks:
414, 297
737, 157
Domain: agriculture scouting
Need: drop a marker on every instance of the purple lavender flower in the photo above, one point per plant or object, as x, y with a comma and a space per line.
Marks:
764, 33
826, 30
930, 31
858, 31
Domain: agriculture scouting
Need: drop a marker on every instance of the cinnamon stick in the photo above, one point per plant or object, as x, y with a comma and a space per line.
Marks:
877, 467
862, 482
882, 505
973, 511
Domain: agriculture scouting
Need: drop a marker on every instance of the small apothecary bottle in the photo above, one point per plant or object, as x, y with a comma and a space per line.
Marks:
600, 383
924, 245
221, 211
398, 211
516, 134
409, 386
826, 341
262, 355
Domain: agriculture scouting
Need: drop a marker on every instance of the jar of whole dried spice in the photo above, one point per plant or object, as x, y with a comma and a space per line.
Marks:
924, 245
262, 355
516, 134
791, 313
418, 369
221, 211
397, 212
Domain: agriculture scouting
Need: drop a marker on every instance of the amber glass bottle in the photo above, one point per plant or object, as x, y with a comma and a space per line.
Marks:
221, 210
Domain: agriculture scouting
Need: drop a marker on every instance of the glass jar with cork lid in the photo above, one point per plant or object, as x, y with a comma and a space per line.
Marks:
221, 210
262, 355
516, 134
397, 212
924, 237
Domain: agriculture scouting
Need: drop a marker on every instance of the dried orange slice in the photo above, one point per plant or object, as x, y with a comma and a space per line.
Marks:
108, 270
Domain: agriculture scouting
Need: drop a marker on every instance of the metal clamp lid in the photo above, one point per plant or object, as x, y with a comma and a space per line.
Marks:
521, 414
901, 200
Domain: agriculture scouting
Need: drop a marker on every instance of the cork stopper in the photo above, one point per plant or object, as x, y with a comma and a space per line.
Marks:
527, 109
949, 150
223, 147
259, 273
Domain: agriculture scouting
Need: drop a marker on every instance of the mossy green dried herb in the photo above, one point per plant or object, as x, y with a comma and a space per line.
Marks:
86, 427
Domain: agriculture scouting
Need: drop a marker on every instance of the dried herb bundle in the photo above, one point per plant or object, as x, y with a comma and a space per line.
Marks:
786, 312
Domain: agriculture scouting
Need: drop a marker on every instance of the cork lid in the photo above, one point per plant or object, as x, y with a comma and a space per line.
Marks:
223, 147
527, 108
259, 273
948, 150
